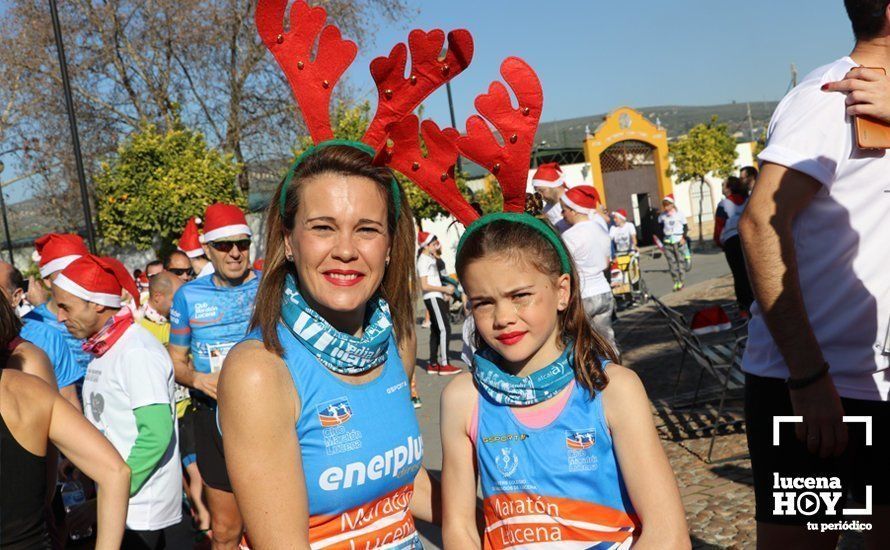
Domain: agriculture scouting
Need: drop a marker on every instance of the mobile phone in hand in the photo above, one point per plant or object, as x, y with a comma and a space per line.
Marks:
871, 133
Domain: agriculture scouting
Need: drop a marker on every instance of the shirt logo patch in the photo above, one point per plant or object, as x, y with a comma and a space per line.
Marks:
504, 438
97, 406
578, 440
580, 451
334, 412
203, 310
507, 463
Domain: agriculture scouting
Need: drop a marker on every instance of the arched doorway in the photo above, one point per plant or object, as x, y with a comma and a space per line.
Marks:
631, 181
628, 158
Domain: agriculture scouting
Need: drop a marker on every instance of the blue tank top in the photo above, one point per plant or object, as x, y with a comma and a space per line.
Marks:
81, 358
210, 319
558, 485
361, 448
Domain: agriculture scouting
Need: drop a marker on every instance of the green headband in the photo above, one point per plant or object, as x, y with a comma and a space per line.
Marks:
364, 147
525, 219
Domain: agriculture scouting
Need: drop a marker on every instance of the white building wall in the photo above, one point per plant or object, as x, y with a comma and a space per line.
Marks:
683, 192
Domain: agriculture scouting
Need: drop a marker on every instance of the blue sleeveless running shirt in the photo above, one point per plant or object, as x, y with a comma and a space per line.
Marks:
81, 358
361, 448
210, 319
558, 486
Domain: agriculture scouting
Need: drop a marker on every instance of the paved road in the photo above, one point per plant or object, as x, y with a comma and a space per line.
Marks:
708, 262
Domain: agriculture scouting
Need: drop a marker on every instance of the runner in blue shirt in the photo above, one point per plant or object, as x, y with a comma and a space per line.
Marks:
49, 339
210, 315
45, 315
54, 346
54, 251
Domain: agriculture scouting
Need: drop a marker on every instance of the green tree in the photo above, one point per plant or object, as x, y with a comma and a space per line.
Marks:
708, 149
158, 179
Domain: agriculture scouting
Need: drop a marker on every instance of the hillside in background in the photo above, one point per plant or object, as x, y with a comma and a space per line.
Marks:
26, 223
676, 119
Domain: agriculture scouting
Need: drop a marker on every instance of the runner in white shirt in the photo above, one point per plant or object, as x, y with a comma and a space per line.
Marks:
623, 233
127, 392
676, 248
588, 241
551, 184
434, 298
815, 239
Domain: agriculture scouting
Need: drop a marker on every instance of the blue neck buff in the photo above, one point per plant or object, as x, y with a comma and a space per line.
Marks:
339, 352
507, 389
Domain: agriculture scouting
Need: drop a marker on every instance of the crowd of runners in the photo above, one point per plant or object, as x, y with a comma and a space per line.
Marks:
275, 396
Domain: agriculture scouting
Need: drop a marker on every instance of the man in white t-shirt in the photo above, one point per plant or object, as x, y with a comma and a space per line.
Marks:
815, 238
434, 299
127, 391
588, 242
550, 182
623, 233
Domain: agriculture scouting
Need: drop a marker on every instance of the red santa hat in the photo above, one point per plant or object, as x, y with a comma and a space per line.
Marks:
424, 238
98, 279
190, 241
54, 251
224, 220
668, 198
548, 175
621, 213
582, 199
710, 319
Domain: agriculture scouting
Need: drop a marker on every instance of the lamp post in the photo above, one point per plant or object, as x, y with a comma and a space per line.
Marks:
453, 121
72, 123
3, 209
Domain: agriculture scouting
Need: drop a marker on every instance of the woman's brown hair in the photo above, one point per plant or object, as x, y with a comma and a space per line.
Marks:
10, 324
521, 243
398, 285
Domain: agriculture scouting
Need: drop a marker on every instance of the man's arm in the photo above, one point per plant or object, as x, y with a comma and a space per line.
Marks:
180, 346
155, 430
766, 230
69, 392
188, 376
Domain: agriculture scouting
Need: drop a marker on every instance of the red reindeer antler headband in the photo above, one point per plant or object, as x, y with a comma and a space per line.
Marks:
312, 80
508, 160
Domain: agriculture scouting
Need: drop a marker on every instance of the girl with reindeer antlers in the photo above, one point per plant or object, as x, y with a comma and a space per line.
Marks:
334, 306
561, 437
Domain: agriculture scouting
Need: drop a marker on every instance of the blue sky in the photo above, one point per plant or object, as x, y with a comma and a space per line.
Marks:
595, 55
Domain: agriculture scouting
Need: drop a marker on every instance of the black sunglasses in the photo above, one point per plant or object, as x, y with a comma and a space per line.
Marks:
179, 271
226, 246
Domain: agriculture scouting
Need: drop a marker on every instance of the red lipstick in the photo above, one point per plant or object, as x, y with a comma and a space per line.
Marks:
343, 277
511, 338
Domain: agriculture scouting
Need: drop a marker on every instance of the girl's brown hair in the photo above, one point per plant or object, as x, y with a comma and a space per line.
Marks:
398, 286
522, 243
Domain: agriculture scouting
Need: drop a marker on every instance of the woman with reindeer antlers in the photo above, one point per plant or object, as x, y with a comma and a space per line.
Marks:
334, 305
